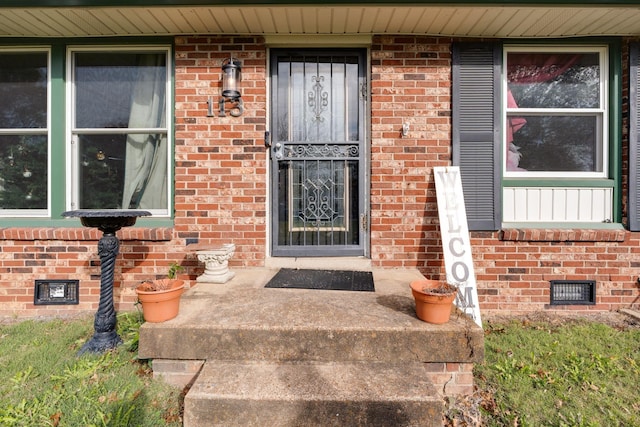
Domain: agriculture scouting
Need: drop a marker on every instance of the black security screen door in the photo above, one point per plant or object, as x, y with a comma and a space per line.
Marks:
318, 153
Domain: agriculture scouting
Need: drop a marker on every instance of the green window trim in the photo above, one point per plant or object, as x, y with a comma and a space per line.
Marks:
550, 182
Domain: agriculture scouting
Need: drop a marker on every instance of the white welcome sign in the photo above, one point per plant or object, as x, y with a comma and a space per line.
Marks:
456, 244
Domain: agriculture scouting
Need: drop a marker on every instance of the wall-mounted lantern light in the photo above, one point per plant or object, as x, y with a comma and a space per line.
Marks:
231, 77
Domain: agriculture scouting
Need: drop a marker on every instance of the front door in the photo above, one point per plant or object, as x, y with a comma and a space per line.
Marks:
318, 167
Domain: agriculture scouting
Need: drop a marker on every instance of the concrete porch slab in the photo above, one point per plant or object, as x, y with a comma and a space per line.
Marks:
254, 356
242, 320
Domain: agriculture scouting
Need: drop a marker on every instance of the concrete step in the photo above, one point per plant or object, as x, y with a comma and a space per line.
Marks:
229, 393
295, 357
241, 319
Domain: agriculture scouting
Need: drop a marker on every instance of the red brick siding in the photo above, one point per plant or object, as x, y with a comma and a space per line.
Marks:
221, 163
221, 194
410, 83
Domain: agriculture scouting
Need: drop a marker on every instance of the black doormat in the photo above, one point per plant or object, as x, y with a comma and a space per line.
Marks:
337, 280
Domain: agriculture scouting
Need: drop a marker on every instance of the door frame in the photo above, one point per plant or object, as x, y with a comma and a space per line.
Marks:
364, 174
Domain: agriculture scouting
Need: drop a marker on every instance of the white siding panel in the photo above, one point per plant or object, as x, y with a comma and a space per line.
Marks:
508, 203
557, 204
546, 204
585, 205
573, 204
520, 206
532, 208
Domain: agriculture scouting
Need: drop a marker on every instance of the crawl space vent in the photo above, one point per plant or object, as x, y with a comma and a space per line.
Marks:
567, 292
56, 292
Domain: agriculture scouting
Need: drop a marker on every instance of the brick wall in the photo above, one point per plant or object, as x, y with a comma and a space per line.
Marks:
221, 162
27, 254
410, 83
221, 185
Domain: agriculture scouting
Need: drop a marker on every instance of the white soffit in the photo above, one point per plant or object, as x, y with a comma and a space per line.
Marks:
434, 20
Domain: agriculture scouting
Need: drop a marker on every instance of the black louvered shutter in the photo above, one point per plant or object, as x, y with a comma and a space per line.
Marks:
476, 130
634, 142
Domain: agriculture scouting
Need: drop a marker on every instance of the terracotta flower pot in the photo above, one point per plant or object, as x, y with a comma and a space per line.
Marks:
434, 300
160, 305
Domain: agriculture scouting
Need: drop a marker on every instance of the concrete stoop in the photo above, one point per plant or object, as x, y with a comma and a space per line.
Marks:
312, 394
290, 357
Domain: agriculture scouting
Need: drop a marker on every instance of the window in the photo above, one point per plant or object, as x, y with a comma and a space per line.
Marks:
554, 112
96, 136
536, 134
119, 154
24, 132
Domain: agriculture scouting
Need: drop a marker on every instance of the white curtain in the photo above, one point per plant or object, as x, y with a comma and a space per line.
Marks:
145, 178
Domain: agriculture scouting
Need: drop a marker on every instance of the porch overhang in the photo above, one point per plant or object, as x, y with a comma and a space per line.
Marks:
471, 18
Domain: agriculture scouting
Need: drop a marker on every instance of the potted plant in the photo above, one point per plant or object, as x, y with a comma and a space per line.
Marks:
160, 299
434, 300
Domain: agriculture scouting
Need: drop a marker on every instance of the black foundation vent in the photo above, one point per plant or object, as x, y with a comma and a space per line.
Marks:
56, 292
569, 292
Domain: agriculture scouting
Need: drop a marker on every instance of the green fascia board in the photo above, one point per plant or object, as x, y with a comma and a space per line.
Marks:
178, 3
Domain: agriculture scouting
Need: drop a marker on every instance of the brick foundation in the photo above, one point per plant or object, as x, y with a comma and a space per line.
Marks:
449, 379
179, 373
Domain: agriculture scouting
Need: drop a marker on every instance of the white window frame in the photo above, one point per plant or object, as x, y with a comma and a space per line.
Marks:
34, 213
602, 112
72, 174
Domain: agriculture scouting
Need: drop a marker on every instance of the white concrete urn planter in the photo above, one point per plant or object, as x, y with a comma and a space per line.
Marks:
216, 263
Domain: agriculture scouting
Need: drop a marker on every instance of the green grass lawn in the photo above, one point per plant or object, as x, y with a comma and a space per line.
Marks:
536, 373
44, 383
560, 373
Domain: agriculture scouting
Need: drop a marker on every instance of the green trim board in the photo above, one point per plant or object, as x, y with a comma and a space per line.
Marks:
557, 182
563, 225
57, 132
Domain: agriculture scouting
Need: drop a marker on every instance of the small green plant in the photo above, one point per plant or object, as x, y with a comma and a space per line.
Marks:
162, 284
174, 270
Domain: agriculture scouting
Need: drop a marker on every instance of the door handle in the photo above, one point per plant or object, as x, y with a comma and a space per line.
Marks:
277, 150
